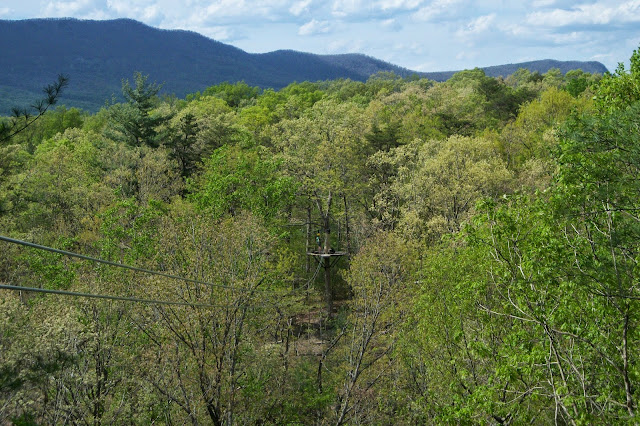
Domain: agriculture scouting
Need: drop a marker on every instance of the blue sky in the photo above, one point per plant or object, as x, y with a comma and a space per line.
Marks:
422, 35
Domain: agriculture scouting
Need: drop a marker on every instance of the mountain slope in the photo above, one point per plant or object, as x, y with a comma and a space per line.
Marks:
97, 55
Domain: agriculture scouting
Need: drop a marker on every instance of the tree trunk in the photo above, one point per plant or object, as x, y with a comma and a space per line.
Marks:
308, 264
346, 223
625, 360
327, 286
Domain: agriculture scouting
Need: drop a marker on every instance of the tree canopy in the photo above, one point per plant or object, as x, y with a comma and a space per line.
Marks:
398, 250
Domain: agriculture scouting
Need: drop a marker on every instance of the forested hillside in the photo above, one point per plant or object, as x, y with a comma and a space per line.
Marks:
98, 55
395, 251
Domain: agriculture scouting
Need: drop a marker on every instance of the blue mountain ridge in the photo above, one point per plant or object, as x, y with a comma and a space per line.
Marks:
98, 55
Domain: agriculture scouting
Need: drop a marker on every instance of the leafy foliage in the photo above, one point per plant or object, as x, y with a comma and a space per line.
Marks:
135, 122
478, 241
236, 179
621, 88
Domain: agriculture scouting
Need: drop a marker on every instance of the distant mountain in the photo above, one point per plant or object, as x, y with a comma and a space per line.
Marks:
97, 55
541, 66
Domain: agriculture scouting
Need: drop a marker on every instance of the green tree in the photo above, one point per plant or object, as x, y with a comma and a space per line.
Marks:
183, 146
236, 180
197, 129
381, 277
61, 185
24, 117
442, 181
563, 270
235, 95
402, 116
135, 122
53, 122
450, 352
208, 350
531, 135
577, 82
324, 151
621, 88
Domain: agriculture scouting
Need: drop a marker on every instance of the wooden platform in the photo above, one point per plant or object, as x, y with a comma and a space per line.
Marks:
327, 255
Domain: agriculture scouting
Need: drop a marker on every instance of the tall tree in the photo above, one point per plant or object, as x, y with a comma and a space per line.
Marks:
24, 117
621, 88
135, 121
324, 149
380, 276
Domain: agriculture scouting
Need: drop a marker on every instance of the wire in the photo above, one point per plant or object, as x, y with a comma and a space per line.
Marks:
121, 265
309, 281
133, 268
315, 274
104, 296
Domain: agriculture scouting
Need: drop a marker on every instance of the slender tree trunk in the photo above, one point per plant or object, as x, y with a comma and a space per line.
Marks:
326, 221
625, 360
308, 264
327, 235
326, 247
346, 223
327, 286
558, 362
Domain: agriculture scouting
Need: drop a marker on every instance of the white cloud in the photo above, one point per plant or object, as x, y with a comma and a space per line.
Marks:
221, 33
588, 14
365, 10
344, 8
569, 38
120, 6
245, 10
147, 11
477, 26
68, 8
542, 3
414, 47
300, 7
151, 13
344, 46
4, 11
436, 9
81, 9
462, 55
398, 4
314, 27
425, 66
226, 8
601, 57
562, 4
127, 8
517, 30
337, 46
630, 9
391, 24
236, 12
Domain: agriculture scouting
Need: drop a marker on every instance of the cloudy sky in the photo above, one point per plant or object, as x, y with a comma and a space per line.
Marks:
423, 35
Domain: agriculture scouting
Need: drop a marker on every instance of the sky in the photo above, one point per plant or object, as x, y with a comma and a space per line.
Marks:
422, 35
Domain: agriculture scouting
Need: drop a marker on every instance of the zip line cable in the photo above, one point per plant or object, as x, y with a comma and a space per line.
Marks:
122, 298
122, 265
305, 287
133, 268
103, 296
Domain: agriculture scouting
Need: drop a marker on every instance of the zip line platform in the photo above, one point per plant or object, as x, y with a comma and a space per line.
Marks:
327, 255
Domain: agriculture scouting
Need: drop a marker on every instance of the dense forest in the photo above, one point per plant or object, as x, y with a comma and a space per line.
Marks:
395, 251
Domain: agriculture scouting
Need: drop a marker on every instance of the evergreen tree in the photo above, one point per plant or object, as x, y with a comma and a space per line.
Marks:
135, 121
24, 117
